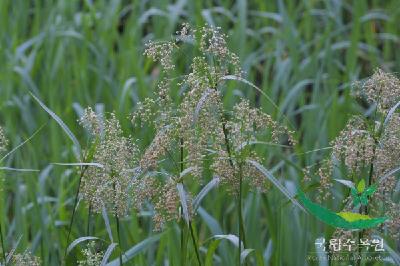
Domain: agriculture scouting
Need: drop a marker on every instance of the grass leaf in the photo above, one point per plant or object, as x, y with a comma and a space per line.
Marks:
206, 189
184, 201
107, 254
210, 252
80, 240
107, 223
135, 250
61, 123
276, 183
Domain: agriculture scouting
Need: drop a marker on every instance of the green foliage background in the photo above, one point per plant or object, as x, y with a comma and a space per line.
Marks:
304, 54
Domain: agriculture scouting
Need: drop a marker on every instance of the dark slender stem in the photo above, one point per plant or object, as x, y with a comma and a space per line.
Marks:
2, 245
119, 239
228, 148
376, 137
89, 218
196, 248
181, 153
242, 237
183, 255
241, 226
183, 246
74, 209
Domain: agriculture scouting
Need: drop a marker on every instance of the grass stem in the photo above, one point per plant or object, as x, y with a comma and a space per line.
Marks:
3, 251
196, 248
119, 239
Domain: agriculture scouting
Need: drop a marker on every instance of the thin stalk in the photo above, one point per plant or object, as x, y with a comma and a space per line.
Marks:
196, 248
89, 218
241, 226
183, 246
242, 237
119, 239
2, 245
376, 137
74, 209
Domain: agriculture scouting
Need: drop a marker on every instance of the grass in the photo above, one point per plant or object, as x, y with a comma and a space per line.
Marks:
304, 55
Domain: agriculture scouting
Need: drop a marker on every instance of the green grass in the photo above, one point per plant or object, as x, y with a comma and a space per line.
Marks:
303, 54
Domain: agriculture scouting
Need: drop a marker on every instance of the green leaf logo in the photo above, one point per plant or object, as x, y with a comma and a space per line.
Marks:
346, 220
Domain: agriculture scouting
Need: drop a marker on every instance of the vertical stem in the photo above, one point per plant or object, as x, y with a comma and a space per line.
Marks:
183, 246
196, 248
119, 239
183, 242
89, 217
182, 224
242, 237
376, 137
240, 221
2, 245
73, 210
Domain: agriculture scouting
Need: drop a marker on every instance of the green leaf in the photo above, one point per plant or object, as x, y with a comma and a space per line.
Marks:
276, 183
61, 123
107, 254
361, 186
210, 252
135, 250
80, 240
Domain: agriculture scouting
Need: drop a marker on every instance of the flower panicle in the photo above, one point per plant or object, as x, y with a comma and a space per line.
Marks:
108, 186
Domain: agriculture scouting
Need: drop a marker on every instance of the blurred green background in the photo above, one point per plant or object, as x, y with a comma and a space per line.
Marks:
304, 54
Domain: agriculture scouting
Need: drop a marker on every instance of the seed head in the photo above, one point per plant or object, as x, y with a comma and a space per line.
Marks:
355, 145
109, 186
166, 205
90, 121
26, 259
159, 147
383, 89
162, 52
388, 150
93, 257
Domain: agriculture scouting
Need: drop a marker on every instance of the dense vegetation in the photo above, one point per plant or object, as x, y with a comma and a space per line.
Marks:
293, 67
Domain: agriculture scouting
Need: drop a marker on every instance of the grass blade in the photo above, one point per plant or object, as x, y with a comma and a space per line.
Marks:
347, 183
231, 238
61, 123
107, 254
197, 200
184, 201
80, 240
275, 181
210, 252
80, 164
245, 253
23, 143
18, 169
107, 223
135, 250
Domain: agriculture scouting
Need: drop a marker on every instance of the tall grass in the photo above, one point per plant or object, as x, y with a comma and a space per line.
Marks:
303, 55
